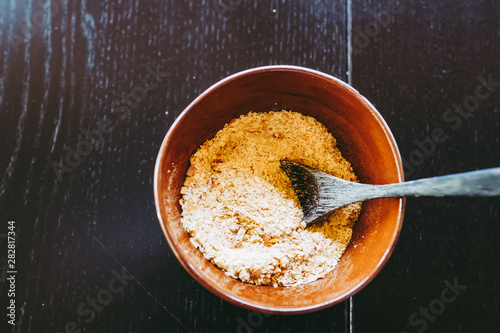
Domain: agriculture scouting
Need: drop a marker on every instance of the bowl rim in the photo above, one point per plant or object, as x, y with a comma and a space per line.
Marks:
219, 291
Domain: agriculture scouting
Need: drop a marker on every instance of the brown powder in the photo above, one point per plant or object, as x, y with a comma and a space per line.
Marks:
241, 212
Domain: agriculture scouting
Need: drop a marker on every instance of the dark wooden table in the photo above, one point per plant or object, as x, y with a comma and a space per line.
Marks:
88, 89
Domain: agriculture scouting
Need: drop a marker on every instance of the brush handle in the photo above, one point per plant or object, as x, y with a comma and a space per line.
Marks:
483, 183
334, 193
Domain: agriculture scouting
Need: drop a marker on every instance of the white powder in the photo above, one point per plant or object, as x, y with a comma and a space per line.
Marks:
241, 212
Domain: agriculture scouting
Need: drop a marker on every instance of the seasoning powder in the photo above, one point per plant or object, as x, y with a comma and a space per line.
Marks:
241, 212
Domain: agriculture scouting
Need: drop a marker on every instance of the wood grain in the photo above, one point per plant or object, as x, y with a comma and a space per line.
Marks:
426, 60
74, 71
83, 221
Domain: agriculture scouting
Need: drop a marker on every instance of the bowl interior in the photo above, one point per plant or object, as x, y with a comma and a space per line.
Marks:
364, 140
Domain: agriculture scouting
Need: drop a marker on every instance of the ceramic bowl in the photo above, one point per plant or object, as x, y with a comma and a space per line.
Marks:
365, 141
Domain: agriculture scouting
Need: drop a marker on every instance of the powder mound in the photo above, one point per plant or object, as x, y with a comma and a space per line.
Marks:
241, 212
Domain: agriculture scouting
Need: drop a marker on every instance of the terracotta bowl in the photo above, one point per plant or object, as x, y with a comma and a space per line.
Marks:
363, 138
